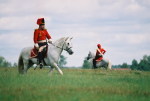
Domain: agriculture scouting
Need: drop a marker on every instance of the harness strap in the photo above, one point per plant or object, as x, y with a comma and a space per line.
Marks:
61, 47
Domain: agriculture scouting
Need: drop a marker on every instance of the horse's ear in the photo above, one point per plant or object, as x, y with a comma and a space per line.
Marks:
66, 38
71, 38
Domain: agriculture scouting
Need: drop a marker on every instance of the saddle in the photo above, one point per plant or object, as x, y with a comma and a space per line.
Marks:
34, 52
97, 59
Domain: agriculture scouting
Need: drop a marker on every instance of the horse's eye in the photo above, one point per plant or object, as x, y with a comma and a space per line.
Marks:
68, 44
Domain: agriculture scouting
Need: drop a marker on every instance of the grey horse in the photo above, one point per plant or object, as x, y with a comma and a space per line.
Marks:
103, 63
54, 51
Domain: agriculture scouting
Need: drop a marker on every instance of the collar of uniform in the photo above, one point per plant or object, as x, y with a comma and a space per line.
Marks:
40, 29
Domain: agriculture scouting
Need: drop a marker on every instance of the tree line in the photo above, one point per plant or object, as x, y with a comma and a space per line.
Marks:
5, 63
143, 64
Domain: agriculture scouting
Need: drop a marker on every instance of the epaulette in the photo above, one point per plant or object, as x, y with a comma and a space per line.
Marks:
36, 29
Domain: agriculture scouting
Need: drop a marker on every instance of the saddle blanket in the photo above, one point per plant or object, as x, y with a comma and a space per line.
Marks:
34, 52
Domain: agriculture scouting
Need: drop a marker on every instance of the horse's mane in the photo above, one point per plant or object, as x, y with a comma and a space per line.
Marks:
59, 41
92, 53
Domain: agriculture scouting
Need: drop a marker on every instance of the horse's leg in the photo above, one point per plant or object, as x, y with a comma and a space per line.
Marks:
30, 64
25, 66
99, 64
58, 69
36, 66
51, 70
104, 63
109, 65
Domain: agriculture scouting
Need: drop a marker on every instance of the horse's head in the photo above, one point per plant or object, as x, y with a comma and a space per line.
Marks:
68, 45
90, 55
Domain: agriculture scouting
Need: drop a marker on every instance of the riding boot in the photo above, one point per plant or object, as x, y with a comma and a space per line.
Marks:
40, 56
43, 53
94, 63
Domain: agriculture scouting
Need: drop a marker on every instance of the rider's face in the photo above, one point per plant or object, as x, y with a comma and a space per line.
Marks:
99, 47
42, 27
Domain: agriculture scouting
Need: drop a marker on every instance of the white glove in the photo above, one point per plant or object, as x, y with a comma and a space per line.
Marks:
36, 45
50, 41
101, 55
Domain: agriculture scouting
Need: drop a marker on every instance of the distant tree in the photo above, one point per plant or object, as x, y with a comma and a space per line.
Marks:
62, 61
144, 63
134, 65
4, 63
15, 65
86, 64
124, 65
116, 66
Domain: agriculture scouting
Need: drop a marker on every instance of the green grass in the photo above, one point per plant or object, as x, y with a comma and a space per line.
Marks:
74, 85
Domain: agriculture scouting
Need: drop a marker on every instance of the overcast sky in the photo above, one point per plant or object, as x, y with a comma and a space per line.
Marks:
122, 27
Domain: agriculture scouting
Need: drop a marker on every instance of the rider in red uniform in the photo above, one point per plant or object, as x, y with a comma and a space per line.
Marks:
99, 55
40, 39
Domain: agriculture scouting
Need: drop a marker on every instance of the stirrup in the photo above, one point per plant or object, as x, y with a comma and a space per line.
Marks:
39, 66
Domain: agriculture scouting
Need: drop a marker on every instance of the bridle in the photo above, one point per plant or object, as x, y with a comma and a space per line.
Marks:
61, 47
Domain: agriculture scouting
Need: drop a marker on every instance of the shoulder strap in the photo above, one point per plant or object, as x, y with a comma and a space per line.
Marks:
99, 51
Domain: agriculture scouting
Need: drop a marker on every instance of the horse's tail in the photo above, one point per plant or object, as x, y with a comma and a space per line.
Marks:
20, 65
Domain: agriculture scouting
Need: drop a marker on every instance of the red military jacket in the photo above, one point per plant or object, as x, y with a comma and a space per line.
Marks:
99, 51
40, 35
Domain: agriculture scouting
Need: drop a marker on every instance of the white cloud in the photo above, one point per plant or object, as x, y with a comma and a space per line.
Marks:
16, 40
19, 22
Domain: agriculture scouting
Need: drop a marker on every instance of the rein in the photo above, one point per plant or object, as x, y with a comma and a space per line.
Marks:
61, 47
57, 46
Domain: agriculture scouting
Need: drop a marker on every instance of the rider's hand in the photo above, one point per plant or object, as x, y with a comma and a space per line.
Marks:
101, 55
36, 45
50, 41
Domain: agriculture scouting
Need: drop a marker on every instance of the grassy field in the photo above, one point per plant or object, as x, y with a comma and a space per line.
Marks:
74, 85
